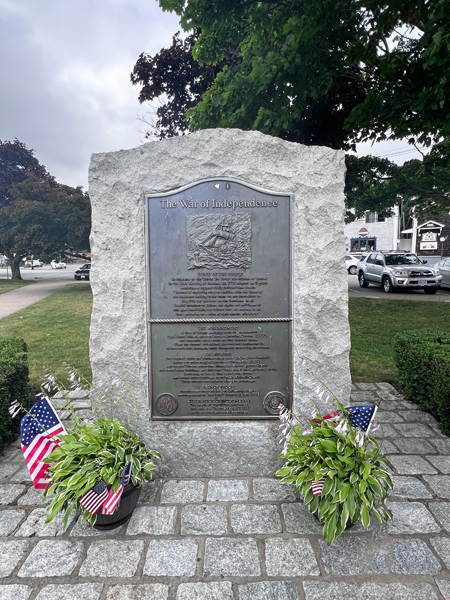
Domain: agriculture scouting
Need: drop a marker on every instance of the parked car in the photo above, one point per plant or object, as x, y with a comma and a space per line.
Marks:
398, 270
34, 263
444, 268
351, 263
57, 265
84, 272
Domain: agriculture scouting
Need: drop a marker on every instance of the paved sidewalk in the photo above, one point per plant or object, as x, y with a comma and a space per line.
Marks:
14, 301
241, 539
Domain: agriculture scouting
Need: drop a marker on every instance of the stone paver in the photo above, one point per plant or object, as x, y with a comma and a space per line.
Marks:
247, 538
411, 517
248, 518
112, 558
231, 557
227, 490
54, 558
153, 520
182, 492
172, 558
290, 558
215, 590
204, 519
149, 591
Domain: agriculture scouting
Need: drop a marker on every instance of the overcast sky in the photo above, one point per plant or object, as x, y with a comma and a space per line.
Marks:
65, 86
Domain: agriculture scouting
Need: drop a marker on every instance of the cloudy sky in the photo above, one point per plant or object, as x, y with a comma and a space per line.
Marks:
65, 78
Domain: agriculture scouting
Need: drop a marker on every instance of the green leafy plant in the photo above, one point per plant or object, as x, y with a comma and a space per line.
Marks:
347, 461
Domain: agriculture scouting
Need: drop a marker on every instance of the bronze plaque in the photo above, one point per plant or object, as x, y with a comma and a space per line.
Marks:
219, 301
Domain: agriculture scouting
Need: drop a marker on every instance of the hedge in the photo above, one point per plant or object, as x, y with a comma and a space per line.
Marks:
423, 361
13, 383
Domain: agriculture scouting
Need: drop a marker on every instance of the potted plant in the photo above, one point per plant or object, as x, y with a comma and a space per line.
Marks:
335, 466
96, 465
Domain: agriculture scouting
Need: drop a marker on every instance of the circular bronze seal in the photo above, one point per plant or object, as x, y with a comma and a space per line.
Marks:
272, 401
166, 404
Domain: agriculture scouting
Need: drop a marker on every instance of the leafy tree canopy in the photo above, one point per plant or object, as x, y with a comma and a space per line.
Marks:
39, 216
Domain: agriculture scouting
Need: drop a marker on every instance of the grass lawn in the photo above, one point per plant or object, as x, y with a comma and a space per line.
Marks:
373, 325
8, 285
56, 331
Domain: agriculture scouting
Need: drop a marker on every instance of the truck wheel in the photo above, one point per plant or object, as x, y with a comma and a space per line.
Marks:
430, 290
362, 280
387, 285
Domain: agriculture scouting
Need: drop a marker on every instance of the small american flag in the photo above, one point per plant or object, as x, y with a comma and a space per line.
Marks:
318, 487
110, 504
38, 431
361, 416
94, 498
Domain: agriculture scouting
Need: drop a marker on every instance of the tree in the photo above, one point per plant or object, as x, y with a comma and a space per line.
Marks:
316, 71
17, 163
39, 216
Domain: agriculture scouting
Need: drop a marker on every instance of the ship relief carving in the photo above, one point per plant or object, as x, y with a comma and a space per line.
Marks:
219, 241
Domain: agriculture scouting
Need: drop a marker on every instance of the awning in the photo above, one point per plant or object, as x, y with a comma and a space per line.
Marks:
408, 231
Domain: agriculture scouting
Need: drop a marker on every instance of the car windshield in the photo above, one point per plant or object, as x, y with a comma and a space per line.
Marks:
402, 259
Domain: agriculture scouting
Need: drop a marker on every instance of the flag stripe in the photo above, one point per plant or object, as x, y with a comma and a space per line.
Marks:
318, 487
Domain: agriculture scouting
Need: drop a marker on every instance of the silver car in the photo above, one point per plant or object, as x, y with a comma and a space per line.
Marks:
398, 270
444, 268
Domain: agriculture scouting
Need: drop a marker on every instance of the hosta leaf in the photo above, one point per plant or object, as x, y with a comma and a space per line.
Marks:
365, 518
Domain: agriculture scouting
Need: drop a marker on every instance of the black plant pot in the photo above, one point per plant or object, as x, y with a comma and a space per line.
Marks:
122, 514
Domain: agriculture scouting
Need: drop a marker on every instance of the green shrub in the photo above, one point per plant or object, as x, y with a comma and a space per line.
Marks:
13, 383
422, 358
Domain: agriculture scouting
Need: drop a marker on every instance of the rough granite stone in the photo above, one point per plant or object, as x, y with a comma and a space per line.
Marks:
79, 591
388, 417
298, 519
55, 558
442, 463
441, 511
366, 387
442, 548
385, 431
15, 592
112, 558
9, 492
33, 498
444, 587
411, 517
9, 519
411, 464
177, 492
413, 446
12, 453
227, 490
204, 519
251, 518
150, 591
118, 343
7, 469
414, 430
387, 447
290, 558
337, 590
441, 445
352, 555
272, 490
417, 416
268, 590
153, 520
439, 484
412, 556
22, 475
11, 554
231, 557
148, 493
409, 488
172, 558
35, 525
214, 590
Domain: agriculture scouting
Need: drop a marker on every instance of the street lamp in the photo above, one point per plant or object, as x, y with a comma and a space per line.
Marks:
442, 240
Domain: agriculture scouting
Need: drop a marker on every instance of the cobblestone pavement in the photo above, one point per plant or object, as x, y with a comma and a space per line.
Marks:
241, 539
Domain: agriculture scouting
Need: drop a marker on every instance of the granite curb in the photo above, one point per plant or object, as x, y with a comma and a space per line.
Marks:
242, 538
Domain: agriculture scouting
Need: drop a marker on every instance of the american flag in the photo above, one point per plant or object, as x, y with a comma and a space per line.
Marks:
110, 504
38, 431
318, 487
361, 416
94, 498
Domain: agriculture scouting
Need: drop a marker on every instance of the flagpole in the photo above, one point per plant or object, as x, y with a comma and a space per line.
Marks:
374, 413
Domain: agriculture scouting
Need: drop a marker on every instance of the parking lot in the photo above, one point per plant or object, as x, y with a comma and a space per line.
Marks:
44, 273
375, 291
